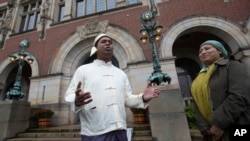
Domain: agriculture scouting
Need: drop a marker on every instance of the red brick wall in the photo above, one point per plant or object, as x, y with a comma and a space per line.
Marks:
171, 11
128, 19
2, 1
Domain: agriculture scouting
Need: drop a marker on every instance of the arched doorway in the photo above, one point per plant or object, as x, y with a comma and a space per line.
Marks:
25, 81
186, 72
186, 49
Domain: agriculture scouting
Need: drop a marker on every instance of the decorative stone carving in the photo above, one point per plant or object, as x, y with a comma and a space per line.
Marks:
44, 17
92, 26
153, 7
5, 26
7, 20
11, 3
45, 9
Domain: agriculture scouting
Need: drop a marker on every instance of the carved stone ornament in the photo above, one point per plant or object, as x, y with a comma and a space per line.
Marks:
45, 9
92, 26
11, 3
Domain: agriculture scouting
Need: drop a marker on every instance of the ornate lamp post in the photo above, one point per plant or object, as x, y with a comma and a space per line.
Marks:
152, 32
15, 92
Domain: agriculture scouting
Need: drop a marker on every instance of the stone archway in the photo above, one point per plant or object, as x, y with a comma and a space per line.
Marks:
7, 66
231, 33
127, 49
76, 49
226, 30
4, 69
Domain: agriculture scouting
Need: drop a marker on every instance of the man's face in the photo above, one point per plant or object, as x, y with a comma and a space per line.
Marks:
105, 49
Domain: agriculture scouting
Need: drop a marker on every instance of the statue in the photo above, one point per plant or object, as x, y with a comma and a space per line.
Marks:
45, 8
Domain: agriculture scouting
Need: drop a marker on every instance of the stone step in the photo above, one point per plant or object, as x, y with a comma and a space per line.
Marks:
66, 128
141, 132
142, 138
76, 128
139, 126
50, 135
45, 139
69, 134
71, 139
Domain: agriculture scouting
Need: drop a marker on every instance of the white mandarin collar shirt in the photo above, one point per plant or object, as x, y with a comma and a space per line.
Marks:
111, 93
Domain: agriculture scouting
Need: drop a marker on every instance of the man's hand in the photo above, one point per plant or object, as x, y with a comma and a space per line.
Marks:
82, 98
150, 92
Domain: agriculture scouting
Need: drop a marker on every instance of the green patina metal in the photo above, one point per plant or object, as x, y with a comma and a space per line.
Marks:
157, 77
15, 92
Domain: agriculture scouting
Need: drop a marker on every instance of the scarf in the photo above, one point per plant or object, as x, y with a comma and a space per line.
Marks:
201, 93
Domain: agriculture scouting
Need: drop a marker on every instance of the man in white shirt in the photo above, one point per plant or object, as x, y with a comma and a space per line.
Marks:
99, 92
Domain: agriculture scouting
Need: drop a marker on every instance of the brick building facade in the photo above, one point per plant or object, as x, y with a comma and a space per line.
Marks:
61, 34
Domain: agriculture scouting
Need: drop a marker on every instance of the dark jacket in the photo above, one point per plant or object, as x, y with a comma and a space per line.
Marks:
230, 96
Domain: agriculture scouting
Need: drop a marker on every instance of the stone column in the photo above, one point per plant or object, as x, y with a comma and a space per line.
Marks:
1, 90
14, 117
244, 57
167, 117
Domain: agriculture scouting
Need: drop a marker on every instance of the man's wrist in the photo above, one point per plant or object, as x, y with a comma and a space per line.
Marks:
76, 104
145, 101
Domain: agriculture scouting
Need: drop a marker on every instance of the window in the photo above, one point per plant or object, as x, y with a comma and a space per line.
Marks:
228, 0
132, 1
30, 16
61, 10
100, 6
111, 4
2, 15
90, 6
31, 21
87, 7
79, 8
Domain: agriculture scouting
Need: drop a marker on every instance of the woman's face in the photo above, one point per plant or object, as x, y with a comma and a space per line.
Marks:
209, 54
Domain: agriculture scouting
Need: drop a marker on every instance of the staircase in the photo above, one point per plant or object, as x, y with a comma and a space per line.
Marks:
141, 132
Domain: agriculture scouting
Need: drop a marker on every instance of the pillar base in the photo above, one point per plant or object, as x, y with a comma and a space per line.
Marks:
14, 118
167, 117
